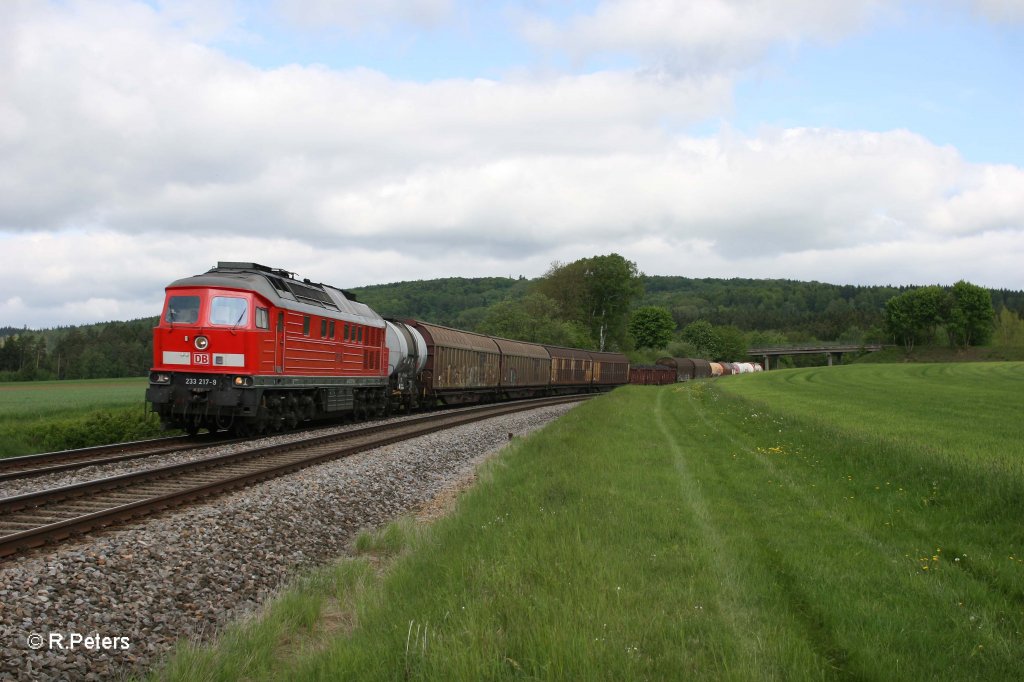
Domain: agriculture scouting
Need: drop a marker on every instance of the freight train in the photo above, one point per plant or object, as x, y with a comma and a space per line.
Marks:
252, 349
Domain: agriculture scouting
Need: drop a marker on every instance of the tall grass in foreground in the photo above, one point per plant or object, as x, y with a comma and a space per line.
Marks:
686, 533
56, 415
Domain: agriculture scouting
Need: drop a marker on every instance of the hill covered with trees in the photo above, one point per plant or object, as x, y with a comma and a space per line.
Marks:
595, 302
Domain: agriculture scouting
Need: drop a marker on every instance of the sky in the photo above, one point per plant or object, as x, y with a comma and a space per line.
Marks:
358, 143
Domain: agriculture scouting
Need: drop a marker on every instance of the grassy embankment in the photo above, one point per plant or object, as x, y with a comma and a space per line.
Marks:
42, 416
858, 522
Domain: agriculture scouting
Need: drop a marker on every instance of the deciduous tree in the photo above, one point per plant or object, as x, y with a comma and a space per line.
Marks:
971, 318
651, 326
596, 292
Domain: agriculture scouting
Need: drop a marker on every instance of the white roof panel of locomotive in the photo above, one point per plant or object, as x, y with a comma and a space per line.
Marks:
287, 292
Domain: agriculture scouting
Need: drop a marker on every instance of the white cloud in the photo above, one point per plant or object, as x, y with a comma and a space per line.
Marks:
1008, 11
134, 155
360, 14
699, 37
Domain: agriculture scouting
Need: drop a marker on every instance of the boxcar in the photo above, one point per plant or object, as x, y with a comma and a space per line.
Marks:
687, 368
610, 369
570, 368
525, 368
656, 375
461, 366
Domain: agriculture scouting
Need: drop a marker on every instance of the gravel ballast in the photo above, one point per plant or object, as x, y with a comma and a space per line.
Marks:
186, 573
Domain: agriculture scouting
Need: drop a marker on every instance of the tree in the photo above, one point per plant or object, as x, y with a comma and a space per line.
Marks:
912, 317
971, 318
1009, 329
732, 345
533, 318
596, 292
651, 326
965, 310
701, 335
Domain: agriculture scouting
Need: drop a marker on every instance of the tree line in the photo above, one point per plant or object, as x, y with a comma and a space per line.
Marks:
601, 303
113, 349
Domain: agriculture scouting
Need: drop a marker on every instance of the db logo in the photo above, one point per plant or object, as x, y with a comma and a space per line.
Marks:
200, 358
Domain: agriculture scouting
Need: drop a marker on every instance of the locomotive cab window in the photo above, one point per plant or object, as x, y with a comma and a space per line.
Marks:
229, 310
183, 309
262, 318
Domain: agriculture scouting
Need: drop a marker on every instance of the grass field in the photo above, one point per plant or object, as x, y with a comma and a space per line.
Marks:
52, 415
855, 522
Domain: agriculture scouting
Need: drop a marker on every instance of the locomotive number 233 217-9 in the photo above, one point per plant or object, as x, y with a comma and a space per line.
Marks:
200, 381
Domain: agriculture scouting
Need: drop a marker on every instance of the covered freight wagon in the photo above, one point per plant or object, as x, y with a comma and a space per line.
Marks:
570, 367
610, 369
525, 368
461, 366
688, 368
651, 375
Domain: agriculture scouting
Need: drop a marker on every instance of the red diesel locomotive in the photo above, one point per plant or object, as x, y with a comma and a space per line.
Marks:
248, 347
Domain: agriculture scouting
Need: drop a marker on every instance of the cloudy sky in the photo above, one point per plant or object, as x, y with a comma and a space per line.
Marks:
354, 142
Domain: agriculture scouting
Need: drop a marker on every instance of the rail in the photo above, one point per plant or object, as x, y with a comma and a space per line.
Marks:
53, 515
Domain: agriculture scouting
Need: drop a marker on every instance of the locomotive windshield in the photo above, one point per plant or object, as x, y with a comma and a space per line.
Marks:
228, 310
184, 309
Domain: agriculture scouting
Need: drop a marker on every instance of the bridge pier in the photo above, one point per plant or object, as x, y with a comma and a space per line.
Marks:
837, 350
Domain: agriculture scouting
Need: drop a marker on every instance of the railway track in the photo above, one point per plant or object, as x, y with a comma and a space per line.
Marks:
53, 515
54, 462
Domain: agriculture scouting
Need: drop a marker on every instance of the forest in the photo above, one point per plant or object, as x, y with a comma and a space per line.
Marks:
603, 301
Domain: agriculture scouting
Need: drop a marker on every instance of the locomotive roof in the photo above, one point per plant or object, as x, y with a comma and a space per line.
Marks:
286, 291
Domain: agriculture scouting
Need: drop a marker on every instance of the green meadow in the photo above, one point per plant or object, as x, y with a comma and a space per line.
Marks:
41, 416
854, 522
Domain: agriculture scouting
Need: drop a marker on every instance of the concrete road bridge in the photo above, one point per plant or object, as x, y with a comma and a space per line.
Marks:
830, 350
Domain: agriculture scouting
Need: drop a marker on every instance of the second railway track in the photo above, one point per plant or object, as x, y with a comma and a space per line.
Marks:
27, 466
35, 519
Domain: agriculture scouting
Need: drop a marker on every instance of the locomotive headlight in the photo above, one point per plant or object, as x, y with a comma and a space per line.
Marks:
159, 378
243, 381
202, 342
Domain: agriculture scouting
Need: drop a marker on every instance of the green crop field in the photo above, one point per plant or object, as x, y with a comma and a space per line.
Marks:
861, 522
54, 415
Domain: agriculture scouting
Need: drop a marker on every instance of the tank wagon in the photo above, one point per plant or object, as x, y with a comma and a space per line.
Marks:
695, 368
252, 348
